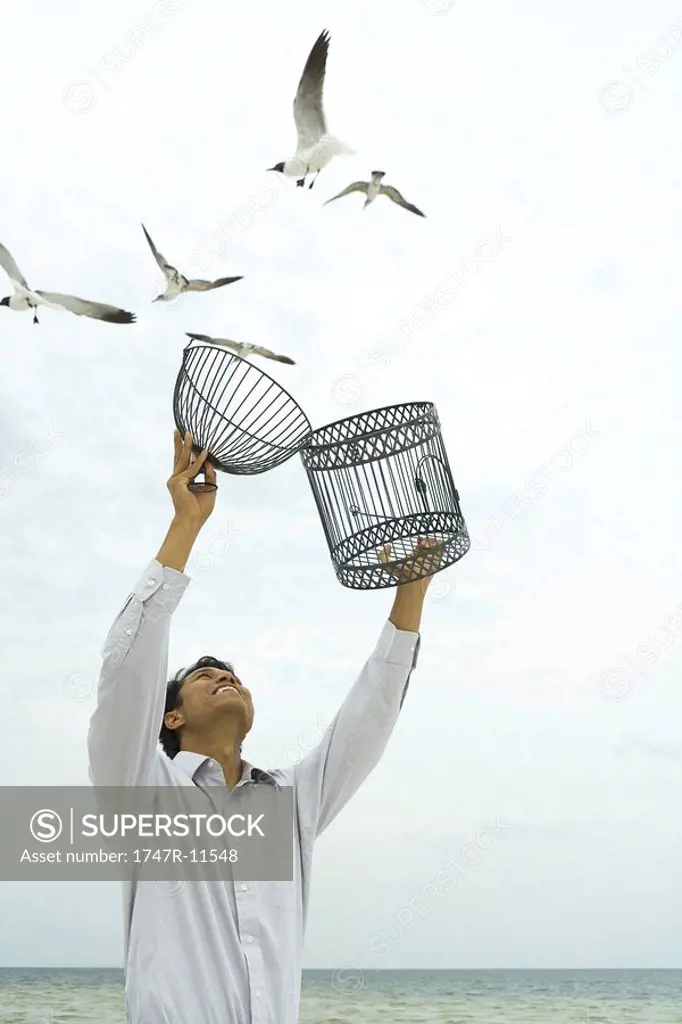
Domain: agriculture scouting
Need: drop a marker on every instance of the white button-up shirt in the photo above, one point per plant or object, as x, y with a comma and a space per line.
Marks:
224, 952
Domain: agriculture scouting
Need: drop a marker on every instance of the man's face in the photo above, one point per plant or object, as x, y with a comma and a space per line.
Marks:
209, 694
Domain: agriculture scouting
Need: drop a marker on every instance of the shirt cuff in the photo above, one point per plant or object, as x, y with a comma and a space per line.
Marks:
165, 584
398, 646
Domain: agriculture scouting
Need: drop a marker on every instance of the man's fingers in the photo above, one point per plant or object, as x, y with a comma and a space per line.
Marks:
186, 450
183, 452
177, 446
209, 470
384, 554
426, 555
196, 466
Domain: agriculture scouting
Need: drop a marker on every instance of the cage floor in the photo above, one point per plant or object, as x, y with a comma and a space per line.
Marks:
384, 566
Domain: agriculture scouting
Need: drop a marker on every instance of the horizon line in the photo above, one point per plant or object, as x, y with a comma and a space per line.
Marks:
377, 970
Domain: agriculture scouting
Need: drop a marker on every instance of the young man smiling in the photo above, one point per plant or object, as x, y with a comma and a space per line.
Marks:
224, 952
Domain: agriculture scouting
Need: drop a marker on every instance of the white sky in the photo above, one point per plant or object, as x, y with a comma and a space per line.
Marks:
489, 118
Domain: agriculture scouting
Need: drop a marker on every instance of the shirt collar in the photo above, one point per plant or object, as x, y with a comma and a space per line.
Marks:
189, 763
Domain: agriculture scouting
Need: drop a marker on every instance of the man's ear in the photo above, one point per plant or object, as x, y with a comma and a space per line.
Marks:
173, 719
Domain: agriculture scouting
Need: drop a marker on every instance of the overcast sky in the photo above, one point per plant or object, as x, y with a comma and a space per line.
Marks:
543, 143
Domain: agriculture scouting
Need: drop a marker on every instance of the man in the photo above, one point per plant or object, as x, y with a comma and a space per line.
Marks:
223, 952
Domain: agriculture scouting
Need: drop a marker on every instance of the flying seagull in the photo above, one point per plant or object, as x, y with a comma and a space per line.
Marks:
177, 283
26, 298
241, 348
314, 146
374, 188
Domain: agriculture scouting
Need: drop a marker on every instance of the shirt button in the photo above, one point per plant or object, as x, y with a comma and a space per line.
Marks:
166, 587
249, 938
151, 582
129, 631
244, 888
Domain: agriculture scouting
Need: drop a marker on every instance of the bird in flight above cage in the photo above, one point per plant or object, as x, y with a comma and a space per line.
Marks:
314, 146
374, 188
242, 349
26, 298
177, 283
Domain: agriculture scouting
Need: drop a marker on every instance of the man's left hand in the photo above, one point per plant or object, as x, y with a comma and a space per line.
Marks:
426, 555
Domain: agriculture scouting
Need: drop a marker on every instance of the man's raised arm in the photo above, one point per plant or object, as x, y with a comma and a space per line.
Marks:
124, 728
328, 777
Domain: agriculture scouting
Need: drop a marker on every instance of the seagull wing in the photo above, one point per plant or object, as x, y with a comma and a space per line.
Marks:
268, 354
81, 307
392, 193
223, 342
206, 286
357, 186
11, 269
308, 110
168, 270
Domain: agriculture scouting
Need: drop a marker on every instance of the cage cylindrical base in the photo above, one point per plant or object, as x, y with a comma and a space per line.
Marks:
382, 483
357, 560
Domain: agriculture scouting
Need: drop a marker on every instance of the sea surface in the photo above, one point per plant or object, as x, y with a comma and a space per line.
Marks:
46, 996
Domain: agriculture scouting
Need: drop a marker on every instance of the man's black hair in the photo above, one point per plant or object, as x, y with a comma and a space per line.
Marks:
170, 739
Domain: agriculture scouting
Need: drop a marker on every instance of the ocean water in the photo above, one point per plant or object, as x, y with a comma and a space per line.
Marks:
34, 996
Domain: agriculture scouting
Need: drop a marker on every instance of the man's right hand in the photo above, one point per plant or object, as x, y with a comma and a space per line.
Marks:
190, 506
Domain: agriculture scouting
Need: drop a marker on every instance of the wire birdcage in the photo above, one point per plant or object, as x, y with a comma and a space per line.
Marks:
383, 478
245, 419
